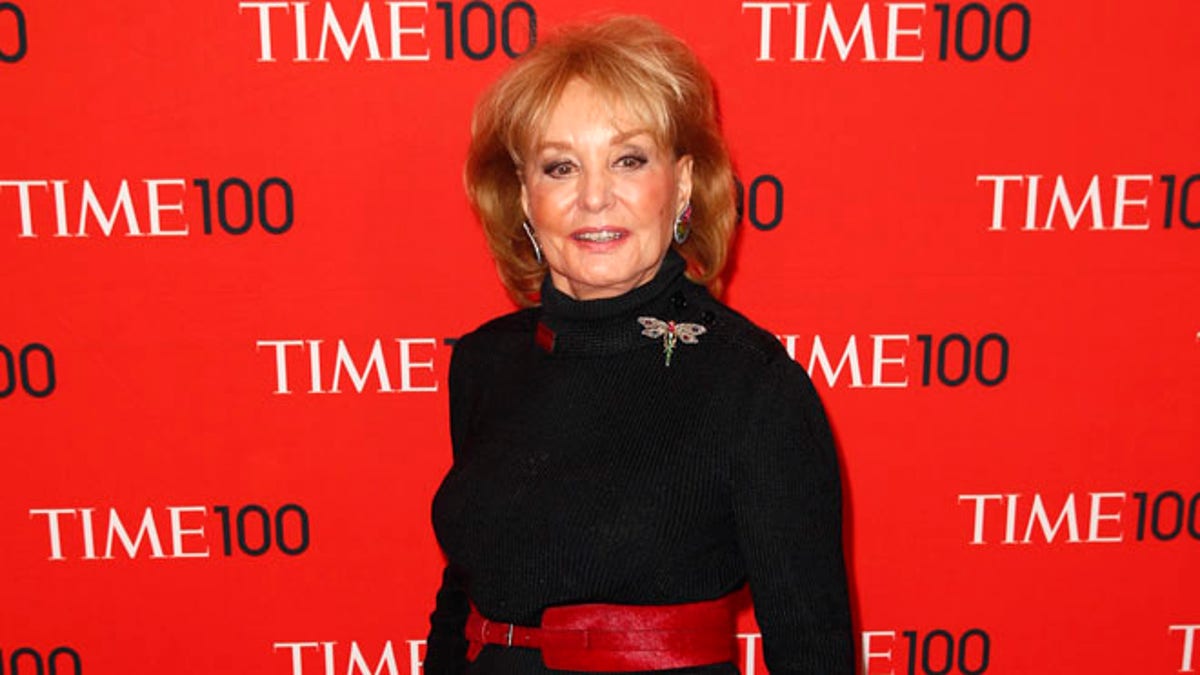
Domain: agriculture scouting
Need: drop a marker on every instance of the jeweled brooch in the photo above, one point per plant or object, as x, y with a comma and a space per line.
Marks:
671, 332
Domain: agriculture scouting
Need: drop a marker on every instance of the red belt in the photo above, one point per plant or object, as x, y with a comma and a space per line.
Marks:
619, 638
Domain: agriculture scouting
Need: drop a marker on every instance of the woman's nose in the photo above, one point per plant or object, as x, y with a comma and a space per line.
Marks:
595, 190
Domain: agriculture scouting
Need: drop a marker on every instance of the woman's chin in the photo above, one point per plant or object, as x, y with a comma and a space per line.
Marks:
600, 282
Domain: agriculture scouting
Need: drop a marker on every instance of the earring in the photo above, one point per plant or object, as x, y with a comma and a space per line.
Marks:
537, 250
683, 224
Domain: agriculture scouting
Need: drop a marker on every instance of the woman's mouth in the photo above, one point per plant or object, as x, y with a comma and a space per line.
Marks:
598, 236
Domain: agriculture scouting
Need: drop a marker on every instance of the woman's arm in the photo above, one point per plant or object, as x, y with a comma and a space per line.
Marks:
446, 646
787, 508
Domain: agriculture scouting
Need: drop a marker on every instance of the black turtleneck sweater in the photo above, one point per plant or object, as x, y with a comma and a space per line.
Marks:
587, 470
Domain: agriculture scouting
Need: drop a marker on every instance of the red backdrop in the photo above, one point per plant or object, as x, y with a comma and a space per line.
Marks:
234, 247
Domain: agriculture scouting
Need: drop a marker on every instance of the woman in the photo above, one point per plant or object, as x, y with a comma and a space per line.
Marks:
629, 452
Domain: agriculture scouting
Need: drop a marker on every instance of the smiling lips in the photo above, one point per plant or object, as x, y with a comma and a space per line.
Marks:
599, 235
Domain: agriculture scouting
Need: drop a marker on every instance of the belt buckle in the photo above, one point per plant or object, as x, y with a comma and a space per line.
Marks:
483, 633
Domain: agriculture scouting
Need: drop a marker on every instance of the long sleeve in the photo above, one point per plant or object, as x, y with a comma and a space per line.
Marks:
587, 470
446, 646
787, 509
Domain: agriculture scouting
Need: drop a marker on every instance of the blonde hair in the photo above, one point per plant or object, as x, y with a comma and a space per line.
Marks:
658, 79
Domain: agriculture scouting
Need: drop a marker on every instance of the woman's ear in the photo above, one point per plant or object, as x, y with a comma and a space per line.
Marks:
524, 195
683, 181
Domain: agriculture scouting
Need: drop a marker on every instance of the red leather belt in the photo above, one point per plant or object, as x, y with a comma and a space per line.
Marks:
618, 638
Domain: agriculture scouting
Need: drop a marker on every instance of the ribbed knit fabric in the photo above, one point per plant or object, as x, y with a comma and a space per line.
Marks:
596, 473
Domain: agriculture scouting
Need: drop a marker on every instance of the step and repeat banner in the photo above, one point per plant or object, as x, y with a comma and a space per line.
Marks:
235, 254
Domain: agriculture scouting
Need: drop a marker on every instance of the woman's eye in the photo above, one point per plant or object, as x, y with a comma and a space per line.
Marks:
631, 161
558, 169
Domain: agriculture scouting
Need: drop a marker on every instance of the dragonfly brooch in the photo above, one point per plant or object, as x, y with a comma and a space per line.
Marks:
671, 333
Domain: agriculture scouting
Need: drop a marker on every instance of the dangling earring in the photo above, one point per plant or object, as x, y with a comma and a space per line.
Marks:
683, 224
537, 250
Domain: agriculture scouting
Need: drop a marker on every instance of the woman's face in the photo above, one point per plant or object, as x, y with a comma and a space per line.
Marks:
602, 196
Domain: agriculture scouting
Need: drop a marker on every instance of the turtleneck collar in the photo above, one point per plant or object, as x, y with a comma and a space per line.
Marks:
609, 325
